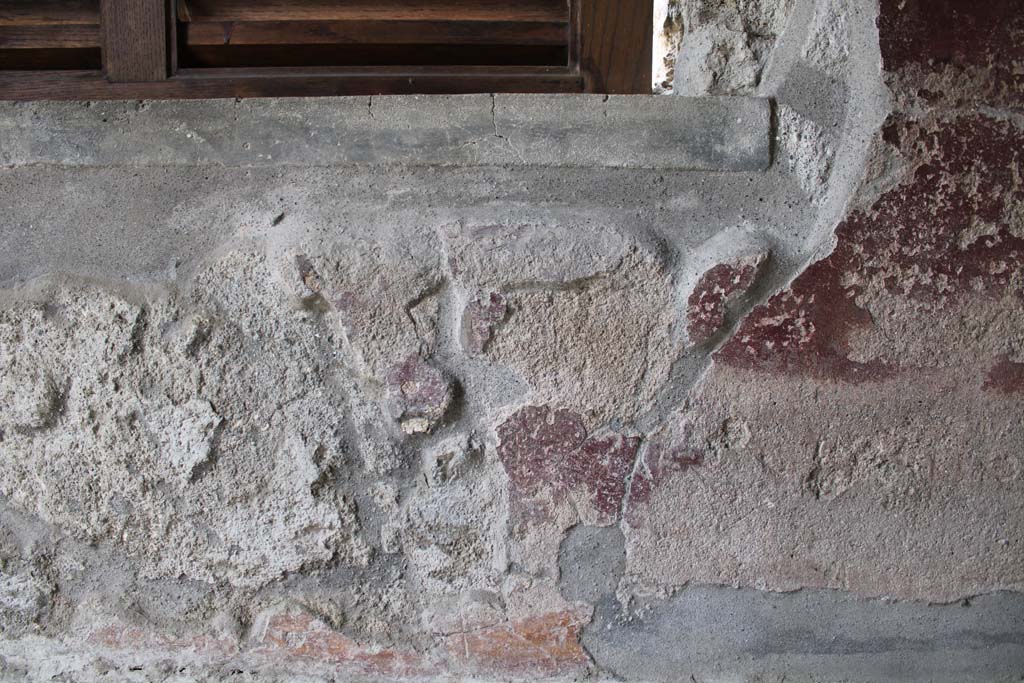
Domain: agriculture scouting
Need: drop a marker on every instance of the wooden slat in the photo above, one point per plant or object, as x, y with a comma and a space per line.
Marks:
616, 44
375, 32
574, 33
43, 61
134, 40
347, 55
203, 83
62, 36
354, 10
48, 12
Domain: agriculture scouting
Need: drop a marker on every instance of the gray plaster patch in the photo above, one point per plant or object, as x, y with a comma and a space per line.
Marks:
723, 634
591, 562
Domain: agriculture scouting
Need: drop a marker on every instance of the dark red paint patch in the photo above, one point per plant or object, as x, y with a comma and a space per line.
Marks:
939, 32
982, 37
944, 233
708, 304
418, 390
1006, 377
548, 450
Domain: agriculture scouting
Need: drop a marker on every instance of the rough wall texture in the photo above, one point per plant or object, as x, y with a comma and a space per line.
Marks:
476, 414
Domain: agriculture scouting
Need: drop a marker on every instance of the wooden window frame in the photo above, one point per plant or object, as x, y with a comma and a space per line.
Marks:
609, 52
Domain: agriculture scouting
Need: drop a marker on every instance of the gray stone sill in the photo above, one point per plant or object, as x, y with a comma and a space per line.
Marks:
655, 132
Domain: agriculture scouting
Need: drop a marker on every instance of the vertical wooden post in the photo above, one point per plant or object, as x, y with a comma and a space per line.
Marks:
616, 40
134, 40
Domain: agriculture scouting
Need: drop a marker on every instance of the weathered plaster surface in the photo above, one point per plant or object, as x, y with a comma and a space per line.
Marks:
526, 388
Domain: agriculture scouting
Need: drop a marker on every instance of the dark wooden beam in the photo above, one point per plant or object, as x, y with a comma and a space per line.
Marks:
48, 12
135, 40
617, 38
375, 32
203, 83
52, 36
379, 10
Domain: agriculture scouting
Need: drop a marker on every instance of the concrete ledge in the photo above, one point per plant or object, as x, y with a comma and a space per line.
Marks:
672, 133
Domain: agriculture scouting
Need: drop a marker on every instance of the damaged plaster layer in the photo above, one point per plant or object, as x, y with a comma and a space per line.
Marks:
461, 130
778, 470
196, 433
806, 149
441, 420
953, 55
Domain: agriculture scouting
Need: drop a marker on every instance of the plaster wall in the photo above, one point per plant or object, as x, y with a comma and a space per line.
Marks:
723, 385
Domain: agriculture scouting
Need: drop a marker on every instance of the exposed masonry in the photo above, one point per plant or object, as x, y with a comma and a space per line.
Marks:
528, 387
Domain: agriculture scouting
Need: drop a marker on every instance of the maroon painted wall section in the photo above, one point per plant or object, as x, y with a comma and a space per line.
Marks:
951, 228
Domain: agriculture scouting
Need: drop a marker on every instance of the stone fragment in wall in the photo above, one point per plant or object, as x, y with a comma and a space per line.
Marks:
482, 315
308, 281
451, 532
726, 44
379, 447
717, 292
194, 333
807, 151
828, 44
589, 313
25, 596
296, 520
382, 297
30, 397
668, 35
549, 457
420, 394
715, 62
451, 459
184, 434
